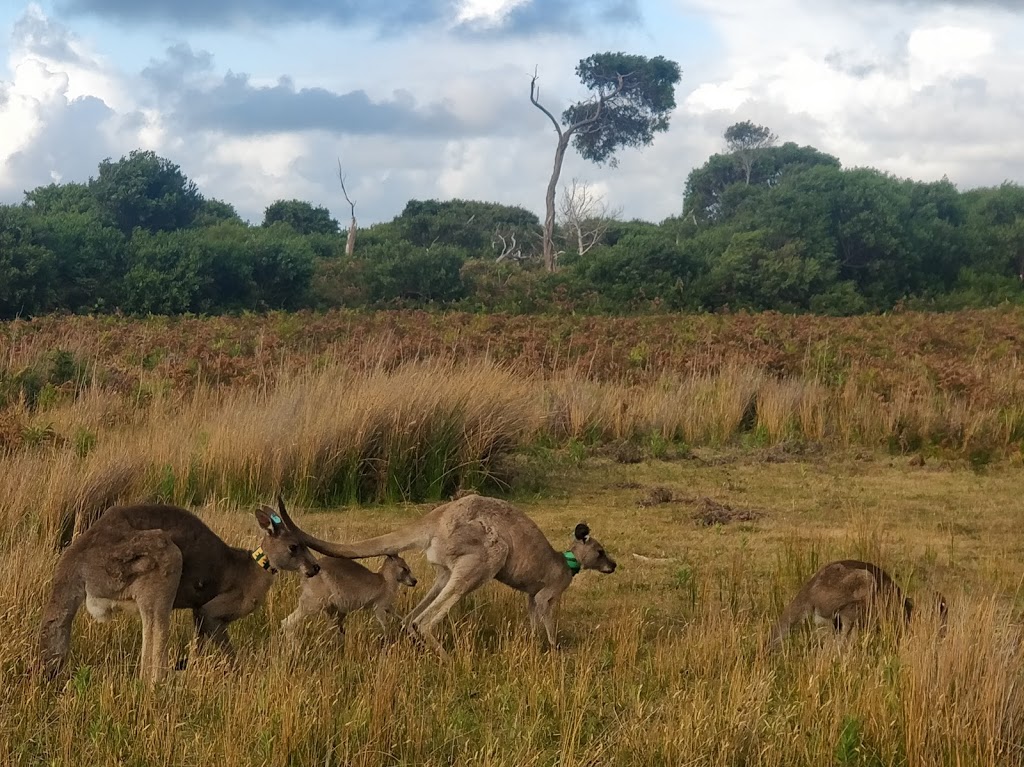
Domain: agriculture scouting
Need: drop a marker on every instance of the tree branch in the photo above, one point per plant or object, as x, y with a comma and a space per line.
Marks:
341, 178
534, 98
602, 99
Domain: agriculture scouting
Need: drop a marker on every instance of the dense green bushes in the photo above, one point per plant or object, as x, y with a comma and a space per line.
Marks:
801, 235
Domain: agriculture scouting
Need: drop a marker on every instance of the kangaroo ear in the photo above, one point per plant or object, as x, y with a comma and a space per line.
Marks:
582, 531
268, 520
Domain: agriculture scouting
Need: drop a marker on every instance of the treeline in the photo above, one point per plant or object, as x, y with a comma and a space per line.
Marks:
763, 227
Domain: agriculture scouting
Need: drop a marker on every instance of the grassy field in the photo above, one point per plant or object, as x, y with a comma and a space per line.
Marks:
662, 660
719, 476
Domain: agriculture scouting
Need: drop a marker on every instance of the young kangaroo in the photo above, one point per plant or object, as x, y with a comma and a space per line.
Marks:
344, 586
156, 558
472, 540
843, 594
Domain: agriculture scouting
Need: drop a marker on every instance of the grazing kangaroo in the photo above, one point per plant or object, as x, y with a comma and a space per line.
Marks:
156, 558
843, 594
471, 540
344, 586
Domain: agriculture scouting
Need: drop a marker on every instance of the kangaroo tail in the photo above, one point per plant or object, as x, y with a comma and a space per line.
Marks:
415, 536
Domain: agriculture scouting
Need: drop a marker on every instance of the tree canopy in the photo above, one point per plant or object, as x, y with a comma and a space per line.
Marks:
804, 235
301, 216
145, 191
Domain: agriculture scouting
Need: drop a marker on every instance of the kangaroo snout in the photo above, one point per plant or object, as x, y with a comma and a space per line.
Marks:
609, 568
311, 570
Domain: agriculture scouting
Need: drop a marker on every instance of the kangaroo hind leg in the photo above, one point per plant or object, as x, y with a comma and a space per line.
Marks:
468, 573
157, 572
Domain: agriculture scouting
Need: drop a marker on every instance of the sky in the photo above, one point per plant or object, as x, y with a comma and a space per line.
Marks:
258, 100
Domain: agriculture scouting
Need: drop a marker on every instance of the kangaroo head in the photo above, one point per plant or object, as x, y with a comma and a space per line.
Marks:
589, 552
396, 569
282, 545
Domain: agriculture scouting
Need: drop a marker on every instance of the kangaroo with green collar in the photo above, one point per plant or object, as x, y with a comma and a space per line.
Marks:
470, 541
155, 558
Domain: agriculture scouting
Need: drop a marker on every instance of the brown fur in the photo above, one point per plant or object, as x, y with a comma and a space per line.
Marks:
844, 594
471, 540
345, 586
156, 558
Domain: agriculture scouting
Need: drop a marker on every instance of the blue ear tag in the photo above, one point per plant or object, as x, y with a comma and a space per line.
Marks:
276, 519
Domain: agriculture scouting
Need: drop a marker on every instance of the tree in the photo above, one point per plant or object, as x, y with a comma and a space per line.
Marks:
350, 239
213, 212
27, 270
168, 273
716, 190
89, 258
745, 140
301, 216
632, 99
585, 214
466, 224
61, 198
400, 271
645, 266
751, 274
145, 191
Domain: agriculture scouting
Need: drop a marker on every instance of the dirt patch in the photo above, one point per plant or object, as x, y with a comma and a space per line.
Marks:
706, 511
656, 496
785, 452
626, 452
710, 512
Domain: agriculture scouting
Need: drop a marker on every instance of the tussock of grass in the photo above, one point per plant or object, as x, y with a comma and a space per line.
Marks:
329, 434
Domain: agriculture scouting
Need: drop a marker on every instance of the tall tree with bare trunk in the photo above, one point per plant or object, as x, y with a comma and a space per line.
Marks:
632, 98
350, 240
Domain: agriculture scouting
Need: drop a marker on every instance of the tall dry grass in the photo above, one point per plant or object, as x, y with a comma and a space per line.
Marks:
690, 687
662, 661
331, 435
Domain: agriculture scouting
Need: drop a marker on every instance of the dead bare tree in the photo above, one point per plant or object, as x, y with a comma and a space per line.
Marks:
504, 243
350, 240
585, 214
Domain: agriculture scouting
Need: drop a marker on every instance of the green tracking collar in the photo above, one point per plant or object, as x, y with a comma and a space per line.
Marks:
571, 561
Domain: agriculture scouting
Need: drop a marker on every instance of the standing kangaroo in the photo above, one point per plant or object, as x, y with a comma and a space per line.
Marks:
156, 558
344, 586
472, 540
843, 594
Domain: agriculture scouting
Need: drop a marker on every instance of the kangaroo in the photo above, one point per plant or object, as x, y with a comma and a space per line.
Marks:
471, 540
843, 594
344, 586
156, 558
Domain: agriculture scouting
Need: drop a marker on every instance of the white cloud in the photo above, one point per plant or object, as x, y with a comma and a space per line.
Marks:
947, 51
486, 13
919, 91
